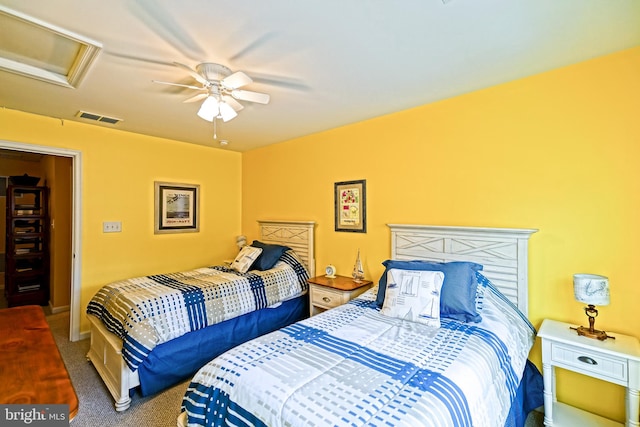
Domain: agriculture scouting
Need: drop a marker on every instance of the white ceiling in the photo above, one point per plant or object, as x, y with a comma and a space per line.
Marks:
324, 63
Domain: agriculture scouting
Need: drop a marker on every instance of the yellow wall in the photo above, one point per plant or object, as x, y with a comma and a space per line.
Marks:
118, 174
558, 151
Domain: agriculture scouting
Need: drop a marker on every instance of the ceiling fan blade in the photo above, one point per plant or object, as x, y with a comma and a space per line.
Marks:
177, 84
234, 104
236, 80
247, 95
195, 98
164, 24
254, 45
284, 83
194, 74
138, 58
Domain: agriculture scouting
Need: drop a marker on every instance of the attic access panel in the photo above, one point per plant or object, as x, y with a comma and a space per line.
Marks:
36, 49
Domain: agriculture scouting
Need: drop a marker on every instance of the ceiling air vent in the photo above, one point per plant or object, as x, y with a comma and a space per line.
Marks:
97, 117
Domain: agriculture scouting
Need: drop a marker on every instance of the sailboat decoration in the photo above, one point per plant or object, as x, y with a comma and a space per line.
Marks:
358, 272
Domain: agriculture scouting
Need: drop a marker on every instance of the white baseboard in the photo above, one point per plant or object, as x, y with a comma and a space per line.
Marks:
56, 310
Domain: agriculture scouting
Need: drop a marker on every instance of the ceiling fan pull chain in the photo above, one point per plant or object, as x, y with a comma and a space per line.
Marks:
215, 136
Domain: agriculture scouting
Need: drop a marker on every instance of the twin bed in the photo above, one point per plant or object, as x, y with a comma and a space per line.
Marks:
383, 360
149, 333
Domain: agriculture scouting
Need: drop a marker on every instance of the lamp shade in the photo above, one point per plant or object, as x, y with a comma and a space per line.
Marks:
591, 289
209, 109
227, 112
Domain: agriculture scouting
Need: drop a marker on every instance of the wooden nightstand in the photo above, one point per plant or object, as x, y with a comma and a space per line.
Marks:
613, 360
325, 293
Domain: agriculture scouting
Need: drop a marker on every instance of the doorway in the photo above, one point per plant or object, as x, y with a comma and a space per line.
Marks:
76, 222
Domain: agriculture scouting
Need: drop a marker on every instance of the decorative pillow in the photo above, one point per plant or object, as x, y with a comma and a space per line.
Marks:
245, 258
458, 296
483, 283
413, 295
269, 256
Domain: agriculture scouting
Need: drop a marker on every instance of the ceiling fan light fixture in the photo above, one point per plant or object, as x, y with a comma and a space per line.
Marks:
209, 109
227, 112
219, 89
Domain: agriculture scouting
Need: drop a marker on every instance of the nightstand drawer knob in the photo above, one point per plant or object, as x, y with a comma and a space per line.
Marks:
326, 299
588, 360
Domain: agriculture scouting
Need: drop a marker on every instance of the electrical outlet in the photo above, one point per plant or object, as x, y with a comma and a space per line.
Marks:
111, 227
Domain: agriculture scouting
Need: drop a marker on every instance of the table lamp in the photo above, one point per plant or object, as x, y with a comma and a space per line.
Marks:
241, 241
592, 290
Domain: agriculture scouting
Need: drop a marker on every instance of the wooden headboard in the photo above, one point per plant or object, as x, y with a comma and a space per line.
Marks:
298, 235
502, 251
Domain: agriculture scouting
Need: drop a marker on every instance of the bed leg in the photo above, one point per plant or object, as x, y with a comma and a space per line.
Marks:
123, 404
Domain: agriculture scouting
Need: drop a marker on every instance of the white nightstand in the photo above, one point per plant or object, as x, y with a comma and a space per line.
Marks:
326, 293
613, 360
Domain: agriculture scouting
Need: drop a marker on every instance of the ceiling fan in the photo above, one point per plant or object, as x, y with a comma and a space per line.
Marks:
220, 90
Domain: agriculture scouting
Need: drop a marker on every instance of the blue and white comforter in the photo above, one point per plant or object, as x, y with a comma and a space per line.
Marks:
352, 366
147, 311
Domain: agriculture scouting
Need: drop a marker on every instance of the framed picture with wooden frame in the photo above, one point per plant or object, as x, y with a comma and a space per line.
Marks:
176, 208
350, 206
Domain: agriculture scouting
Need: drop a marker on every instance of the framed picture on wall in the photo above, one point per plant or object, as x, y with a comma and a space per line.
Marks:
350, 206
176, 208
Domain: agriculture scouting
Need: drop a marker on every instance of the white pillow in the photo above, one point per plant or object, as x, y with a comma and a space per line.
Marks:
245, 258
413, 295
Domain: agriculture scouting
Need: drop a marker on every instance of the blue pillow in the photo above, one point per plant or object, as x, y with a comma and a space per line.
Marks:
458, 294
269, 256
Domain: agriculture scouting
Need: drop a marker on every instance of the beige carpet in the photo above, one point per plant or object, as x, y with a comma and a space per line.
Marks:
96, 404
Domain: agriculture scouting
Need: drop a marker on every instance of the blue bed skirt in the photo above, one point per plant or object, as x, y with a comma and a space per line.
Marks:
179, 359
529, 396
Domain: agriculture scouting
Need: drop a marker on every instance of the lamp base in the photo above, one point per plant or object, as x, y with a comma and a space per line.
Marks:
592, 333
